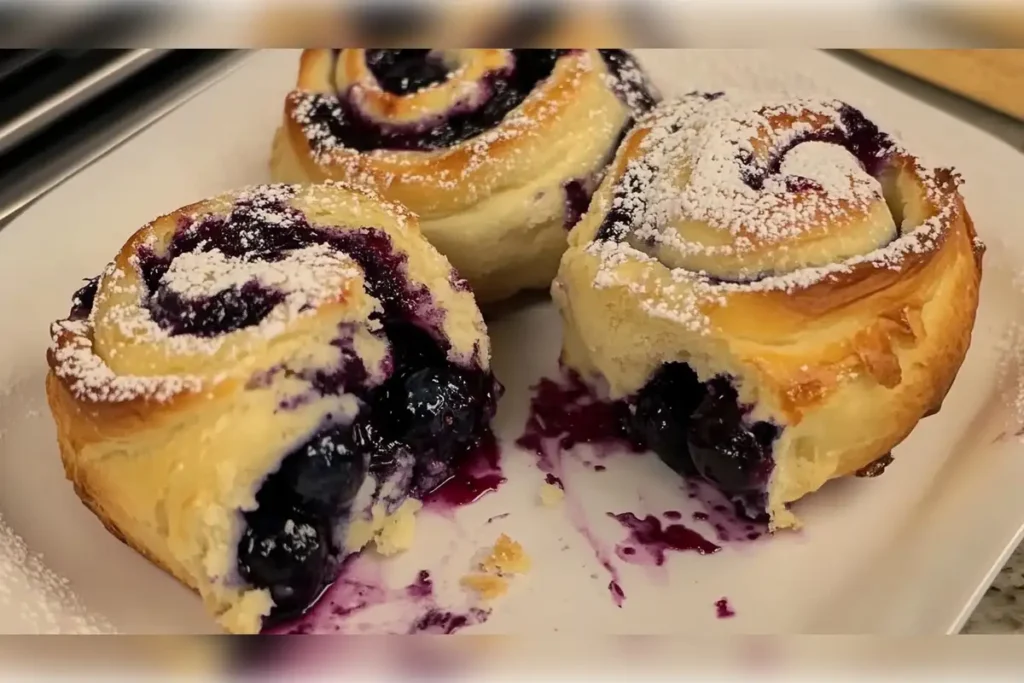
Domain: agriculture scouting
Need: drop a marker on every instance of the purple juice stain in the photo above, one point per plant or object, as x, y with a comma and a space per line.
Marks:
563, 415
618, 595
567, 414
443, 622
478, 474
360, 587
725, 517
698, 428
723, 610
422, 587
649, 535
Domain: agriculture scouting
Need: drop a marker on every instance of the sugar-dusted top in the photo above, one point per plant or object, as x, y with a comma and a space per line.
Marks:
739, 193
185, 283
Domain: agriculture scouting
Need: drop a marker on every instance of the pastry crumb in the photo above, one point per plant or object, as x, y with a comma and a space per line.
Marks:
390, 534
491, 578
551, 495
507, 557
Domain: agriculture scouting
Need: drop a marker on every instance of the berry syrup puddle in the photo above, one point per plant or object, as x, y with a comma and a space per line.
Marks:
360, 599
479, 474
564, 414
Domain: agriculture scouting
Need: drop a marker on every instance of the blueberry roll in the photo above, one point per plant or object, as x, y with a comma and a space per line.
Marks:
497, 151
778, 289
265, 382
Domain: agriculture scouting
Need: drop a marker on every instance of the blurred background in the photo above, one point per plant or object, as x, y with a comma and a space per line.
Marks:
504, 23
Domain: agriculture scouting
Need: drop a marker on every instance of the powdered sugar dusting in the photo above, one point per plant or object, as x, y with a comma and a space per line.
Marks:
90, 378
321, 114
306, 278
309, 277
34, 599
751, 178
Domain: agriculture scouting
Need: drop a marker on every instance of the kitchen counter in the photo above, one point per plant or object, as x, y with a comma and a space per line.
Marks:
1001, 610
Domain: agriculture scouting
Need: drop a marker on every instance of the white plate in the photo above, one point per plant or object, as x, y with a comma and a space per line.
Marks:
910, 552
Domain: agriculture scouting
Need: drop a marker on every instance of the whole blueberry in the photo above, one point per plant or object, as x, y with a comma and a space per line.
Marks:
725, 450
286, 554
381, 448
662, 412
432, 410
406, 71
326, 472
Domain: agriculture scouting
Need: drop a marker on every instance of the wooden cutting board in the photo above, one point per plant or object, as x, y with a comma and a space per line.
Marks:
992, 77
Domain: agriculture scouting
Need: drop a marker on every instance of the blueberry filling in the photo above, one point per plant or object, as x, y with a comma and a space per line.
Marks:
861, 138
247, 233
630, 82
430, 415
288, 545
662, 411
402, 72
577, 201
700, 428
226, 311
579, 192
426, 415
728, 452
506, 89
82, 301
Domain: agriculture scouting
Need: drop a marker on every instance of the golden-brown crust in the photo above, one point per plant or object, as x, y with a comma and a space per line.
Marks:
422, 181
73, 432
847, 357
492, 204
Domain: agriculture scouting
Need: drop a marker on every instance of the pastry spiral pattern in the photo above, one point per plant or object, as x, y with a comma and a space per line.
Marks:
497, 151
779, 289
264, 382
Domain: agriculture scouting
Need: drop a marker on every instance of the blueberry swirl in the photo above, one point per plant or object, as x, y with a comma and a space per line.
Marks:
424, 100
498, 151
318, 384
770, 189
750, 265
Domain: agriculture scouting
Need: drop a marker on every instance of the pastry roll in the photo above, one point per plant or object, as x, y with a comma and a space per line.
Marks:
266, 381
497, 151
778, 289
